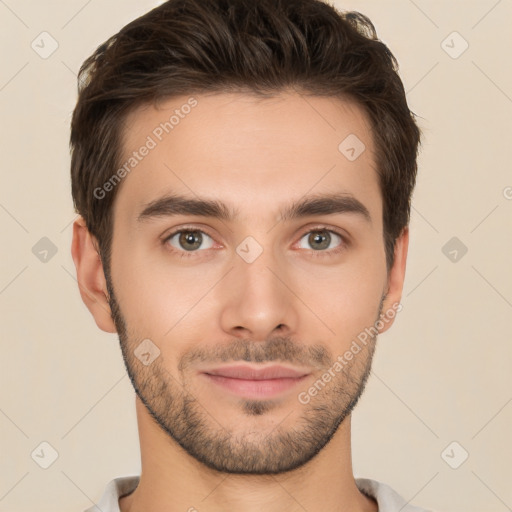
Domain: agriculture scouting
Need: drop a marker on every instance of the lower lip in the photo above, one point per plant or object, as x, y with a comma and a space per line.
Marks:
255, 388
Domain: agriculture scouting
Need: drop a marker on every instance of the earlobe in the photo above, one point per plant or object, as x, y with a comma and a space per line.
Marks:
90, 276
396, 277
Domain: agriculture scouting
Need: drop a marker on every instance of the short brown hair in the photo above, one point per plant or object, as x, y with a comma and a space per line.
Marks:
262, 47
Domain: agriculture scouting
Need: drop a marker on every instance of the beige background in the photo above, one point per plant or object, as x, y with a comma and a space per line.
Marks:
442, 373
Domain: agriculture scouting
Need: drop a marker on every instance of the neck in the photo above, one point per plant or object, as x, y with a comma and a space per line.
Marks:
171, 480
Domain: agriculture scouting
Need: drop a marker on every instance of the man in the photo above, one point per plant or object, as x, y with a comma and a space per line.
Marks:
243, 173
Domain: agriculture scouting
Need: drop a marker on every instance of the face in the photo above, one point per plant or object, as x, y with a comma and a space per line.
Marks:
245, 237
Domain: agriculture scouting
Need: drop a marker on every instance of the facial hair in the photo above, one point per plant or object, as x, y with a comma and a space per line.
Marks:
180, 414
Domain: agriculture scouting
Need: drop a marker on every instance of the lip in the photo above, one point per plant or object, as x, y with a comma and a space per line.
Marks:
251, 373
256, 383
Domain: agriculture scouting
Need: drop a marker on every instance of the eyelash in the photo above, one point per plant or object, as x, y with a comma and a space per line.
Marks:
314, 253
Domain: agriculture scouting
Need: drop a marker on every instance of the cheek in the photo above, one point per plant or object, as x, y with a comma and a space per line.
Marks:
164, 299
156, 296
346, 298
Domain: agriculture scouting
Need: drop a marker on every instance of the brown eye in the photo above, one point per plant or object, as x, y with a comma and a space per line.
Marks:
191, 240
320, 240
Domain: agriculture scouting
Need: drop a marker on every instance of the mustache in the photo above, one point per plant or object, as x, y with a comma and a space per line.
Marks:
277, 349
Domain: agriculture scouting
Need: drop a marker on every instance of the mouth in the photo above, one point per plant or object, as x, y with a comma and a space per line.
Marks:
256, 383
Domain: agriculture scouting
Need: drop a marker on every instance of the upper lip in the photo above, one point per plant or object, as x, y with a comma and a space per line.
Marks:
252, 373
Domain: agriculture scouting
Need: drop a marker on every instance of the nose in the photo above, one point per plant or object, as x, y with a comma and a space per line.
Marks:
258, 300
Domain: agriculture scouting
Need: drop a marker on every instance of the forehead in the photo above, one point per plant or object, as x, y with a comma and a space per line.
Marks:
248, 151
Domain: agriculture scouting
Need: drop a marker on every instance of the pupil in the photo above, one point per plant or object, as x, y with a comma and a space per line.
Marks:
319, 240
190, 240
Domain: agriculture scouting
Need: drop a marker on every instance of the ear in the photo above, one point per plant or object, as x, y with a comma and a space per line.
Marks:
396, 277
90, 276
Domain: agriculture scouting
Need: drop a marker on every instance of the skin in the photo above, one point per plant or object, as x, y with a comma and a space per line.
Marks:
257, 156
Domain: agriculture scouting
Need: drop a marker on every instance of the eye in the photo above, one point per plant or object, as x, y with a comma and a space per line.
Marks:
189, 240
320, 240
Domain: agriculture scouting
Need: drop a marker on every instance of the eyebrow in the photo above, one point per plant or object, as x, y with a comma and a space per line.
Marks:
325, 204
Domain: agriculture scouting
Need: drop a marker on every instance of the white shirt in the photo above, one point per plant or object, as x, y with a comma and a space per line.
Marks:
387, 499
